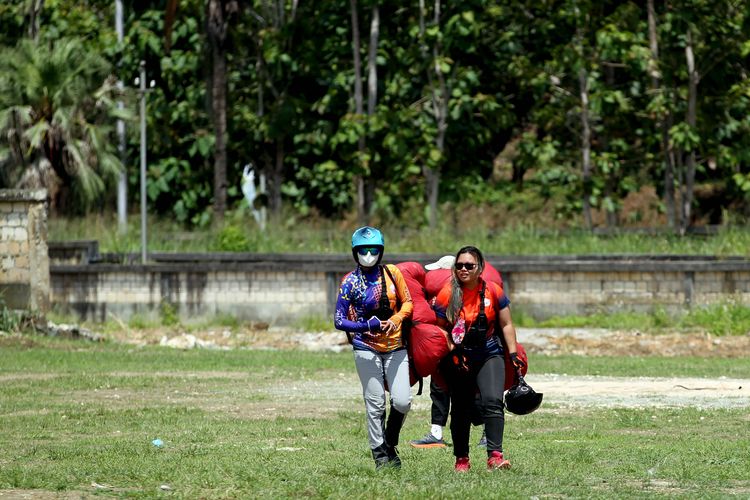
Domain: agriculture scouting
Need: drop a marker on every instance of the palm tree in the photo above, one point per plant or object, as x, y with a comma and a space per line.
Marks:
56, 114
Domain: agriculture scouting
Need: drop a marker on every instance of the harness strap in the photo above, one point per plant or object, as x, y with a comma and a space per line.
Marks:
479, 327
390, 275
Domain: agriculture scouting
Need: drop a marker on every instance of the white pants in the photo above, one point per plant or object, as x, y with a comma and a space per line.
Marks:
374, 370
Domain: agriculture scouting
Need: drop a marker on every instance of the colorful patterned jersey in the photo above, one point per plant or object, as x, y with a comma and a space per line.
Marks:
358, 300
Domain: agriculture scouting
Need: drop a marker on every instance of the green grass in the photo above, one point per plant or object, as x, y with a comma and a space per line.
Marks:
314, 323
270, 424
294, 234
728, 317
641, 366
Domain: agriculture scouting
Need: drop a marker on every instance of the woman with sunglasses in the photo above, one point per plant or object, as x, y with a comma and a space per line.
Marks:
473, 310
372, 304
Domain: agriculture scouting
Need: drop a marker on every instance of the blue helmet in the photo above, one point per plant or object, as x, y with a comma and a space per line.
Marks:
367, 236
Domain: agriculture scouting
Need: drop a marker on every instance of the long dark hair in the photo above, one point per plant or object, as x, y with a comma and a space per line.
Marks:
457, 294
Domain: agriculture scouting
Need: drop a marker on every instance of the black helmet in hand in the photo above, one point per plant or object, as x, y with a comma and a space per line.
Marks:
521, 398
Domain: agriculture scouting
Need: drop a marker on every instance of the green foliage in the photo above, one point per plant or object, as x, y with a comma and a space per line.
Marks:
314, 323
141, 321
621, 320
512, 91
480, 225
9, 319
223, 320
12, 21
324, 185
731, 317
57, 110
168, 314
232, 239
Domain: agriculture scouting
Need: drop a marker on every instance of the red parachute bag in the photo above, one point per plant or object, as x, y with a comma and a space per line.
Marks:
424, 340
414, 275
429, 344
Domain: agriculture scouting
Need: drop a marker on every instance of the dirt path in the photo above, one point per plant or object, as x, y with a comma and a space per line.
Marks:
642, 392
564, 390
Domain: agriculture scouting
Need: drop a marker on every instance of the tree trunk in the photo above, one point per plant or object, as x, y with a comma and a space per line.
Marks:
359, 182
35, 12
219, 15
693, 78
439, 97
219, 105
612, 180
372, 70
277, 176
585, 145
669, 174
662, 122
169, 17
441, 111
432, 190
268, 163
372, 100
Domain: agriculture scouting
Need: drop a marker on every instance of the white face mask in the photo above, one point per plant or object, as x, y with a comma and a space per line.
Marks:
367, 260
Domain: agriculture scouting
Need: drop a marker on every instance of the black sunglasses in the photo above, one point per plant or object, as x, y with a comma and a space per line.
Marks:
465, 265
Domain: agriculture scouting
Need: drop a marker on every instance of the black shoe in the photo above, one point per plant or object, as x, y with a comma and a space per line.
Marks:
393, 458
381, 457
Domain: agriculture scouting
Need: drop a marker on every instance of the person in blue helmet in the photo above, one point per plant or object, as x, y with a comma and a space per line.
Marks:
372, 305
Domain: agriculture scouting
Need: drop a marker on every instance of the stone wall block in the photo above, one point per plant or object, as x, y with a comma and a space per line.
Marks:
275, 289
23, 231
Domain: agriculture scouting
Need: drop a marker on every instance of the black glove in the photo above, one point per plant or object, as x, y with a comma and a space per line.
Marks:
517, 362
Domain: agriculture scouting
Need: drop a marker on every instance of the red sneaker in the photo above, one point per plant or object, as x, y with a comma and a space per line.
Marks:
496, 461
462, 464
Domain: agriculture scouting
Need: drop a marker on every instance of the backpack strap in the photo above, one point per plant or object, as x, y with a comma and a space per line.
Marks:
390, 275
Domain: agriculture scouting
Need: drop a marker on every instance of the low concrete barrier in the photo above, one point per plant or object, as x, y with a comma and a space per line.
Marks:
283, 288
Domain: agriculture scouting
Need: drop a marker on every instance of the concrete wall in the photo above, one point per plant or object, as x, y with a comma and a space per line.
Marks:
24, 265
547, 287
280, 289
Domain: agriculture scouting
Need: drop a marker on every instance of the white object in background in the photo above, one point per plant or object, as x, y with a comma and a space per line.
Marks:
248, 184
248, 189
444, 262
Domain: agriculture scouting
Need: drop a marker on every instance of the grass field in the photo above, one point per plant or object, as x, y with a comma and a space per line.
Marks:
78, 419
293, 234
